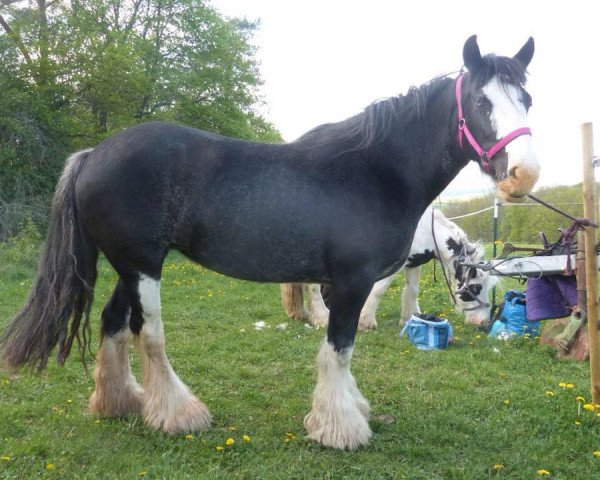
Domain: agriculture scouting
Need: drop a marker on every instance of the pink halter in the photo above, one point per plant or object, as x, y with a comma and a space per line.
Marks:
485, 156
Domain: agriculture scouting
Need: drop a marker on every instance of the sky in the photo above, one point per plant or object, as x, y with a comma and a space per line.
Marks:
325, 60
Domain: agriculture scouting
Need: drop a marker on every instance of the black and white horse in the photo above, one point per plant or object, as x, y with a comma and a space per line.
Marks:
339, 206
436, 237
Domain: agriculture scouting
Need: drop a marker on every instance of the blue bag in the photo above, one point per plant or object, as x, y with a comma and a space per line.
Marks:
428, 334
512, 320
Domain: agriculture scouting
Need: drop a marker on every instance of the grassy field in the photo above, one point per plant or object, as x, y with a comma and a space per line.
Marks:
481, 409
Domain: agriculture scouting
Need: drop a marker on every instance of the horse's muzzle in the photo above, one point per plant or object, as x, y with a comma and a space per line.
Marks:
519, 183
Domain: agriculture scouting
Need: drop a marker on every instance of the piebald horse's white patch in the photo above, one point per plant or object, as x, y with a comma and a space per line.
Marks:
509, 114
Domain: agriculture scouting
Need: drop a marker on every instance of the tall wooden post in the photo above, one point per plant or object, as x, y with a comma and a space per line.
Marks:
591, 259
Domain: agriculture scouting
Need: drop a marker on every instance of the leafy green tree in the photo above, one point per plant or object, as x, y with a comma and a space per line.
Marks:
74, 72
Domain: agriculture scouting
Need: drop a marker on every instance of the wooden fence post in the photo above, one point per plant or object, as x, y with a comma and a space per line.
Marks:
591, 259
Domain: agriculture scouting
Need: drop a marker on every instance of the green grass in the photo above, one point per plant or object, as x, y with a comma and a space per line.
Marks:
435, 415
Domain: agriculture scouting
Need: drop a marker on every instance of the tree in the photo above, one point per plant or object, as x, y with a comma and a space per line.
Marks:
75, 72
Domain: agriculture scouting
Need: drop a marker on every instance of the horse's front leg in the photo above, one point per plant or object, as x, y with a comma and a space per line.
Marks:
410, 294
339, 415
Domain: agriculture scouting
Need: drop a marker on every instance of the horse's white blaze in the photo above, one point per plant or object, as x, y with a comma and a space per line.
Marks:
507, 115
117, 392
168, 402
339, 415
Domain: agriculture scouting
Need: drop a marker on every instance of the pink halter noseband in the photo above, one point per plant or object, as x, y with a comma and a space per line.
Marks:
484, 156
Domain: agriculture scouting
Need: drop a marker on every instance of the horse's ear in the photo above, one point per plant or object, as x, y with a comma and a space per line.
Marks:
526, 53
471, 54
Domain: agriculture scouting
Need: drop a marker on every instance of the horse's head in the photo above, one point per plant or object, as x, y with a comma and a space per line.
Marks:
473, 286
492, 118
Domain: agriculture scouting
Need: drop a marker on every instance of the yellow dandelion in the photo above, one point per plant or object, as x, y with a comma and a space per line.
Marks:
5, 458
69, 400
219, 448
543, 472
246, 438
506, 402
142, 473
497, 467
189, 436
550, 393
596, 453
580, 399
49, 466
589, 407
570, 385
477, 337
598, 414
577, 422
562, 385
232, 429
230, 441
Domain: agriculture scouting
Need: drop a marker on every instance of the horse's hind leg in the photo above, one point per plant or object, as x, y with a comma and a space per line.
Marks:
318, 313
292, 299
368, 319
339, 415
168, 403
117, 393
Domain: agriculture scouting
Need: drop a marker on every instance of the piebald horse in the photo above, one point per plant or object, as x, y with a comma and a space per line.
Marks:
339, 205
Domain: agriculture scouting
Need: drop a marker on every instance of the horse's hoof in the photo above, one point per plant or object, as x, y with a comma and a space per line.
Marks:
129, 402
367, 323
335, 430
177, 415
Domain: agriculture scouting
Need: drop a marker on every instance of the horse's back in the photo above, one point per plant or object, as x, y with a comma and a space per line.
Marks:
224, 202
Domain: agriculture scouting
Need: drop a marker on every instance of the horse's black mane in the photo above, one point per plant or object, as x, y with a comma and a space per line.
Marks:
377, 119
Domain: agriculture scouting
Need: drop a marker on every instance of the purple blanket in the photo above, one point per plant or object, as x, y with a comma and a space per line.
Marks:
550, 297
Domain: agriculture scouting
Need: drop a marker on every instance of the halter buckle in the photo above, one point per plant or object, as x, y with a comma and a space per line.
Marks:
484, 158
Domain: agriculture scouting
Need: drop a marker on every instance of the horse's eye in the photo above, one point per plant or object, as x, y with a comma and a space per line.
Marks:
481, 100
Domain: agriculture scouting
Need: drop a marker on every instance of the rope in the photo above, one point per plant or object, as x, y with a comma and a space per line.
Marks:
507, 205
581, 221
437, 251
471, 214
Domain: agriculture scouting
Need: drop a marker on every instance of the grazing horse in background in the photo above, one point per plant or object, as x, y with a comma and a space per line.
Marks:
436, 237
339, 206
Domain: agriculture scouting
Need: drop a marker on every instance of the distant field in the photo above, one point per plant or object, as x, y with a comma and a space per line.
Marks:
481, 409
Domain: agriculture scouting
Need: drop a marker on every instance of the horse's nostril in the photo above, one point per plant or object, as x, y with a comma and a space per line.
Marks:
513, 172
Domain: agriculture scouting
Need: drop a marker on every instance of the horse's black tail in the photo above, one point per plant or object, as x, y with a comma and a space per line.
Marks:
64, 288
